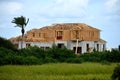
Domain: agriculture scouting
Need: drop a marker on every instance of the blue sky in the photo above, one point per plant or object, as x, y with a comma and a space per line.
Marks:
101, 14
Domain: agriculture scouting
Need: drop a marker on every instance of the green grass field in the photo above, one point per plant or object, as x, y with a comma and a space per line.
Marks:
57, 71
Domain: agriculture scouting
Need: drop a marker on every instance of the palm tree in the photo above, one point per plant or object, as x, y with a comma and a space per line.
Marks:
21, 22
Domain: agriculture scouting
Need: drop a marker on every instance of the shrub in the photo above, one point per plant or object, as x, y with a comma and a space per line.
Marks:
116, 73
49, 60
36, 55
6, 44
6, 56
77, 60
104, 62
30, 60
113, 56
60, 54
74, 60
19, 60
91, 57
9, 59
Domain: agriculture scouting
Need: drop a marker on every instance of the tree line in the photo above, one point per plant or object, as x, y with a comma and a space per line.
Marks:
35, 55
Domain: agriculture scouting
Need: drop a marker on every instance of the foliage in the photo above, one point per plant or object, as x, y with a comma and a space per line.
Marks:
60, 54
91, 57
49, 60
30, 60
6, 55
116, 73
6, 44
74, 60
36, 55
20, 21
113, 56
104, 62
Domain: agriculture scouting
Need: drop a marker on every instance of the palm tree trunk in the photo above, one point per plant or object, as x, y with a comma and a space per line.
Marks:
22, 37
22, 42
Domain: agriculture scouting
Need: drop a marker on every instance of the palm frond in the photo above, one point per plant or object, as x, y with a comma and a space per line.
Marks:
20, 21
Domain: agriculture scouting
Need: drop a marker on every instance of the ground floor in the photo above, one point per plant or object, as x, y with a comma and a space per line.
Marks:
78, 46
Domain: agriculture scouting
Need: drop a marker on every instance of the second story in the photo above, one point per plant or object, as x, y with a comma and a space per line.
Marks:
61, 32
64, 32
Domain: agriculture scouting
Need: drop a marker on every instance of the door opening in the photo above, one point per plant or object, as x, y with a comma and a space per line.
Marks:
60, 45
79, 50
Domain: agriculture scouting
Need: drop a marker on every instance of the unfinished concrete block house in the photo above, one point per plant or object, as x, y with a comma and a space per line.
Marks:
69, 35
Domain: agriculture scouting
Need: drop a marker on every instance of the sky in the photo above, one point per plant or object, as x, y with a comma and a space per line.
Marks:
101, 14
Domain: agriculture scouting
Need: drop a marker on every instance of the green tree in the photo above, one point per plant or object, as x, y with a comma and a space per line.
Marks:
21, 22
6, 44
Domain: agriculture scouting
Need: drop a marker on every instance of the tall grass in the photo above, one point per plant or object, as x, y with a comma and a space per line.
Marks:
58, 71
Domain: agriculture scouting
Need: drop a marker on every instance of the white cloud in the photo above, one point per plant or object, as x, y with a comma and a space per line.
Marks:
65, 8
71, 3
112, 6
10, 7
111, 3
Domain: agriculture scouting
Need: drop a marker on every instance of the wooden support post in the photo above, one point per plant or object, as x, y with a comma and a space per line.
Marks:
76, 47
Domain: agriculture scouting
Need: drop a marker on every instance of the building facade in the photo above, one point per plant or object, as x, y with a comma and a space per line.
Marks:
74, 36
